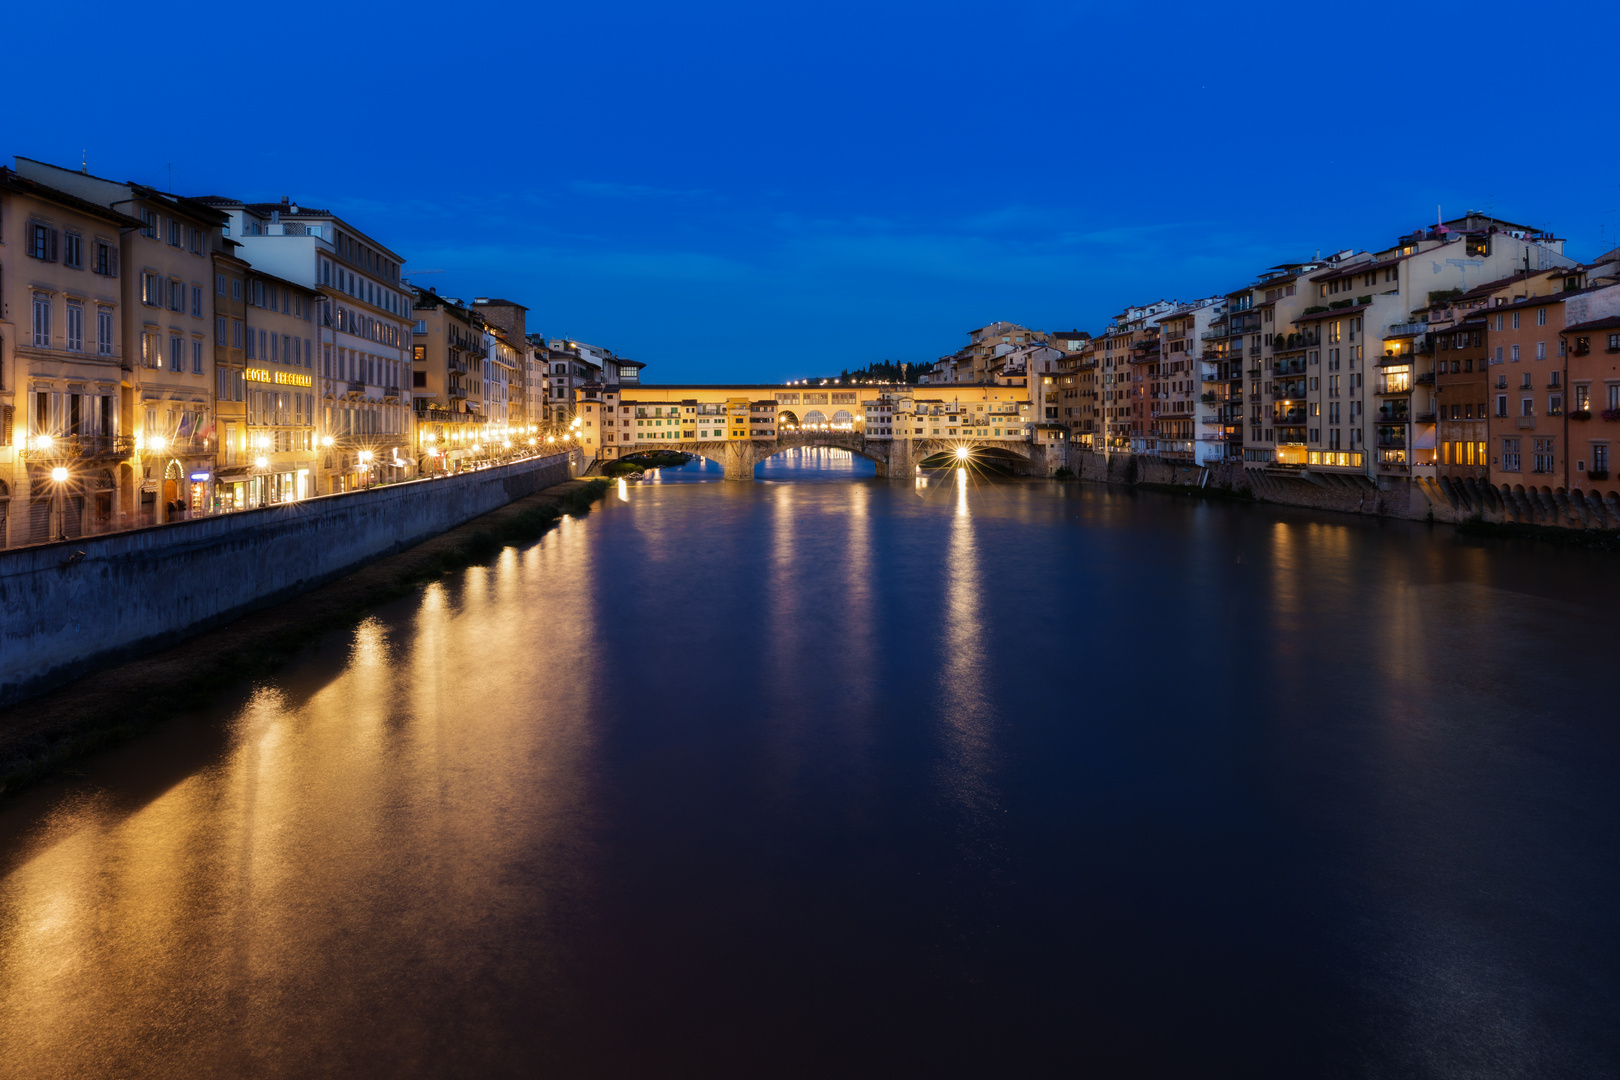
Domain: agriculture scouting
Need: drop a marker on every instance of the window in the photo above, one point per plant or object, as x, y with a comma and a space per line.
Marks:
42, 241
1527, 406
73, 251
1541, 350
1515, 320
236, 288
196, 301
174, 233
106, 261
1600, 457
104, 331
1542, 462
196, 356
177, 355
236, 333
1501, 405
42, 321
1510, 455
1541, 316
219, 284
151, 289
1514, 357
75, 326
219, 329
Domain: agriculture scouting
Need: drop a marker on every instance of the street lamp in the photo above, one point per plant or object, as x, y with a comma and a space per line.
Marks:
59, 477
365, 463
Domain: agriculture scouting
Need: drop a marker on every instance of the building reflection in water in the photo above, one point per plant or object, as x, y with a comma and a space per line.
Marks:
388, 811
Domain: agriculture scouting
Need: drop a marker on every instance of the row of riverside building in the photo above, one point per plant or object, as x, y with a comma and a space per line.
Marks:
1470, 354
164, 357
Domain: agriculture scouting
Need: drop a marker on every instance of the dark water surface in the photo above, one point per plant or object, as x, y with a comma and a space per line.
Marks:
849, 778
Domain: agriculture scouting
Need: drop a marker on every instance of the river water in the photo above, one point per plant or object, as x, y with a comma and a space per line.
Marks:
824, 775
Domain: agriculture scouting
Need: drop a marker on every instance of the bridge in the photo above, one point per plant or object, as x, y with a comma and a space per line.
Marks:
897, 428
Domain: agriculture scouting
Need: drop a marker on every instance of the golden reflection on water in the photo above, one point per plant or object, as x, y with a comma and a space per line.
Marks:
966, 706
338, 826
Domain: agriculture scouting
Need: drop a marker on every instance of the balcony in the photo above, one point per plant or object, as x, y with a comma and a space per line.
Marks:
1255, 373
391, 392
358, 387
1406, 330
1393, 413
1288, 367
84, 447
1426, 379
1527, 423
1288, 416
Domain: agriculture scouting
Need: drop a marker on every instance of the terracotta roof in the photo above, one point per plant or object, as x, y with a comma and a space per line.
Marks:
1331, 313
1611, 322
1366, 267
10, 181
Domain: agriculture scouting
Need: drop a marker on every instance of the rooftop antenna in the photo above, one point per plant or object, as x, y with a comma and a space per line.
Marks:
84, 161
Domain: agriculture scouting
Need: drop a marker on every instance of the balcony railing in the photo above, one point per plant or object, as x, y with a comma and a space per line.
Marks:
71, 447
1406, 329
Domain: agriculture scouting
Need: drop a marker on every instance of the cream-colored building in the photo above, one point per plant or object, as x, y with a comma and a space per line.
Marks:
166, 303
363, 336
273, 453
66, 381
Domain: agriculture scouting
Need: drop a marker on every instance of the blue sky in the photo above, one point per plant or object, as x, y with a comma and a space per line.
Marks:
759, 191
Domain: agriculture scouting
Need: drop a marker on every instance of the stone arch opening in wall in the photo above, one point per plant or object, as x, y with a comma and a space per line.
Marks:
788, 420
855, 450
815, 418
842, 418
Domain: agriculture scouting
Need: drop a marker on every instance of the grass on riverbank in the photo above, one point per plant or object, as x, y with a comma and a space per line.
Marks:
42, 735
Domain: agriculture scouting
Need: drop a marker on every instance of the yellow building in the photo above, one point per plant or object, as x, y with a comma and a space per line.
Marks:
167, 310
65, 441
272, 453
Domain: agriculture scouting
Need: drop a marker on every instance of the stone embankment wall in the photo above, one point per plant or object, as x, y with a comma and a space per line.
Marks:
1399, 498
68, 607
1444, 500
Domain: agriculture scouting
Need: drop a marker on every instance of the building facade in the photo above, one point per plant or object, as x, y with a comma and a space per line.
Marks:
66, 379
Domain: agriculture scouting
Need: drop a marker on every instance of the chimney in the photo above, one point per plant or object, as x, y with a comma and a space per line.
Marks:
285, 200
480, 299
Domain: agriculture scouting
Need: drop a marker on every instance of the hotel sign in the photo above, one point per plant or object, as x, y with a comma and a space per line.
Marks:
284, 378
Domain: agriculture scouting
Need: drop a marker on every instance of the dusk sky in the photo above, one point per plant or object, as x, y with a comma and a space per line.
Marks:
762, 191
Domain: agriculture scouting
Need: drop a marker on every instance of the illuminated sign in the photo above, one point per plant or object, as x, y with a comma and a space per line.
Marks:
284, 378
201, 476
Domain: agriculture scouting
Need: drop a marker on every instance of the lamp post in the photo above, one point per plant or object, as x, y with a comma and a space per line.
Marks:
59, 476
365, 463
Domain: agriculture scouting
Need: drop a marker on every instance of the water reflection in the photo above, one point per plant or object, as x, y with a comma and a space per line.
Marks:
763, 779
966, 709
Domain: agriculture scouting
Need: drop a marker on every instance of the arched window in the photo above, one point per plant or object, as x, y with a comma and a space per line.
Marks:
815, 416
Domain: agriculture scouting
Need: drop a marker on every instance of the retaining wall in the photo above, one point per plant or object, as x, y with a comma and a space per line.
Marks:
63, 613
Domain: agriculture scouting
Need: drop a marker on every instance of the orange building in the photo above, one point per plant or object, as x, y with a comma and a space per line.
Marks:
1529, 386
1593, 349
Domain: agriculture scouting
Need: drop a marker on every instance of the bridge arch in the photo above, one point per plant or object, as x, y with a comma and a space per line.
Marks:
815, 416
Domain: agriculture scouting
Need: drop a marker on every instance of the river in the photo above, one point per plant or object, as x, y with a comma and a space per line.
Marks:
824, 775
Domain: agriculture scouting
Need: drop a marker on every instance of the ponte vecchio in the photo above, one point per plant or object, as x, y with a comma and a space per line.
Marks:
895, 426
